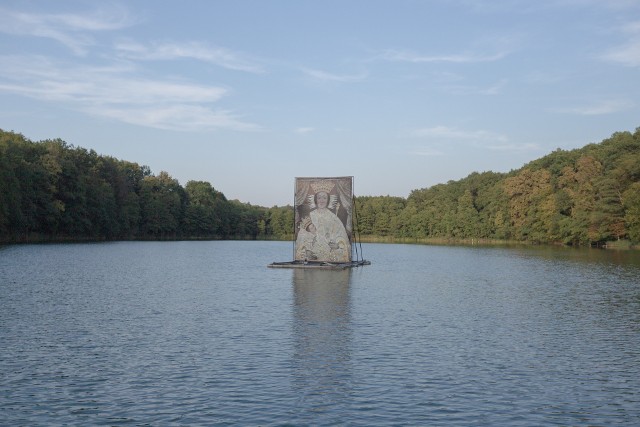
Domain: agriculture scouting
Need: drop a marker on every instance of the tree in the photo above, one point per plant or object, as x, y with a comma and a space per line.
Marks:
530, 206
631, 199
128, 183
52, 190
280, 222
580, 184
202, 217
466, 217
162, 202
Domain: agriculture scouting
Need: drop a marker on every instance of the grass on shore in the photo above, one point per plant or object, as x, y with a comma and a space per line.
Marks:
618, 244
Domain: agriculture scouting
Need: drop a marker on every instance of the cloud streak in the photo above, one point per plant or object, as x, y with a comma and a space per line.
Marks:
190, 50
597, 109
180, 117
513, 147
394, 55
627, 53
304, 130
443, 136
494, 89
330, 77
117, 90
427, 152
449, 133
71, 30
112, 92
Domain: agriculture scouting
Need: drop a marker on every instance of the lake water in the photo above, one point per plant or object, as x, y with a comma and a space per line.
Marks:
203, 333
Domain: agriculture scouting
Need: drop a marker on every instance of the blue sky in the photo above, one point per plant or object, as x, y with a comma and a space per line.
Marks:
247, 95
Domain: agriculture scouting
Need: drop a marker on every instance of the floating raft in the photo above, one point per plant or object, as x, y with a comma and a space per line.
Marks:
319, 264
325, 221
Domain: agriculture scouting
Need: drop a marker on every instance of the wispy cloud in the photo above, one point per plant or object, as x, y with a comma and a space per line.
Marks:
449, 133
181, 117
494, 89
39, 77
628, 53
325, 76
513, 147
303, 130
443, 136
490, 48
427, 152
413, 57
72, 30
190, 50
604, 107
115, 92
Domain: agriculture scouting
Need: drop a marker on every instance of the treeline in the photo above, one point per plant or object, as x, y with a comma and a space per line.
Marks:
578, 197
50, 190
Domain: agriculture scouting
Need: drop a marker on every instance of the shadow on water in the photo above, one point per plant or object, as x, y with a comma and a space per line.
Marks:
322, 334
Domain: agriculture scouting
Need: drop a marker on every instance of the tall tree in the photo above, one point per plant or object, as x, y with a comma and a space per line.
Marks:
162, 203
202, 216
631, 199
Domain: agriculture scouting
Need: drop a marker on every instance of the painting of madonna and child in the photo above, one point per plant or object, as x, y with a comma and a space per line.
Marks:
323, 227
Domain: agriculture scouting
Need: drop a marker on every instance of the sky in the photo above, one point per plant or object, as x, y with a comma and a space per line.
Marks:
249, 94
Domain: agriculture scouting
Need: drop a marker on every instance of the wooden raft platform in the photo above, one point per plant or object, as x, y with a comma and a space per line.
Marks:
319, 264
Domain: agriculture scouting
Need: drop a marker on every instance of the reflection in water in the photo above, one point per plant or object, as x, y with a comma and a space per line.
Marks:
322, 334
581, 285
190, 333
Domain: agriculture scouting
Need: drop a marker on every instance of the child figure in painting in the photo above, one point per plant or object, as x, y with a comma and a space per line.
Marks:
313, 246
307, 242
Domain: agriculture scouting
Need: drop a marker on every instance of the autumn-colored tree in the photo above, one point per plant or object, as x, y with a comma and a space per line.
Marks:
531, 205
52, 190
631, 199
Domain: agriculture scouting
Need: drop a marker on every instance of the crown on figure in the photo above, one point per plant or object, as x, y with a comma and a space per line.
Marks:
305, 222
325, 186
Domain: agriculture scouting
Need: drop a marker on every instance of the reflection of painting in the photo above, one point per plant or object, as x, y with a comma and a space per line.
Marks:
323, 219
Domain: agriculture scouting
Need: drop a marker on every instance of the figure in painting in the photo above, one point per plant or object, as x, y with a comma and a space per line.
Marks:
309, 244
322, 235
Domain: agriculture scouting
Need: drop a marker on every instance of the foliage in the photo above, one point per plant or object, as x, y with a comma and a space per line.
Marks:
579, 197
51, 190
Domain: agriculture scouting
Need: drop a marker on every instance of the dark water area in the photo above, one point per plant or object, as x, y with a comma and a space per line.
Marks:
203, 333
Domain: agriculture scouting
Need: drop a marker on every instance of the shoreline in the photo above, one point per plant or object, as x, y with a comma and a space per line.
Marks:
439, 241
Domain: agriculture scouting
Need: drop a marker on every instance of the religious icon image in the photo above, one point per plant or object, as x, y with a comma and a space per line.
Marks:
323, 212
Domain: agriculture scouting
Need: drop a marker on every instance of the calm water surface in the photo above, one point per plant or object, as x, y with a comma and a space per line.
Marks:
202, 333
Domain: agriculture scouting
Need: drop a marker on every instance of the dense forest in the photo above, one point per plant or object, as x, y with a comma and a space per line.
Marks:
585, 196
50, 190
53, 191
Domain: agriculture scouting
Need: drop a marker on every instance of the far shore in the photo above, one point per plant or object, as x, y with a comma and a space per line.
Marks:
621, 244
616, 245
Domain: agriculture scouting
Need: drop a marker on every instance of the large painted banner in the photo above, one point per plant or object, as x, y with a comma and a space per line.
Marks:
323, 228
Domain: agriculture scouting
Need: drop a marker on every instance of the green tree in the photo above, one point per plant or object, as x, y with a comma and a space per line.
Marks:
162, 205
280, 222
466, 217
631, 199
580, 184
128, 183
202, 216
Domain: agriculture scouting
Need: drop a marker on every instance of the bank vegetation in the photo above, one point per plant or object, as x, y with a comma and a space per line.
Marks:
54, 191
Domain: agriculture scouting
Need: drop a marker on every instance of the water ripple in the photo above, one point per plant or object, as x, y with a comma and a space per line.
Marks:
201, 333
